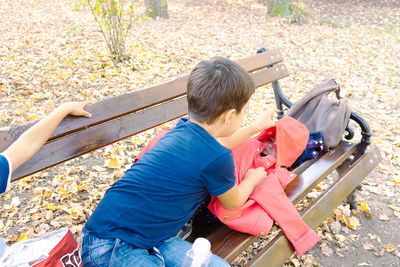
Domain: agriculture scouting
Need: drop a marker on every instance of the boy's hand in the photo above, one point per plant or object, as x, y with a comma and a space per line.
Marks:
75, 109
263, 121
266, 119
255, 176
235, 197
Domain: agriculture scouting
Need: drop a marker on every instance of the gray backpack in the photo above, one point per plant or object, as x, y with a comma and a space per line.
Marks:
321, 114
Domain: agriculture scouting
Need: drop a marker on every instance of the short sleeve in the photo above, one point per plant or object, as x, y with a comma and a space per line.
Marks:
219, 175
5, 173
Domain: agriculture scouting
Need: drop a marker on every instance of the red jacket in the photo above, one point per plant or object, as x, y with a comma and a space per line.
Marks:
283, 143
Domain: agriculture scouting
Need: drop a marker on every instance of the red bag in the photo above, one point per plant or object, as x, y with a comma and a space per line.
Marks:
56, 249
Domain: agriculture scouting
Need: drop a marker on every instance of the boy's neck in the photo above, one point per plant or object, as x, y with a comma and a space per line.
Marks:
213, 129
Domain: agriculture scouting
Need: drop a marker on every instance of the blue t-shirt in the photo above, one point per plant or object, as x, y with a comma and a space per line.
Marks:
161, 192
5, 173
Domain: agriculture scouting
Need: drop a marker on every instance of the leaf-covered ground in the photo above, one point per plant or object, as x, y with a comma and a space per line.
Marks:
52, 52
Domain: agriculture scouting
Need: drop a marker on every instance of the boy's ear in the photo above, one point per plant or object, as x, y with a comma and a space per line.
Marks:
228, 115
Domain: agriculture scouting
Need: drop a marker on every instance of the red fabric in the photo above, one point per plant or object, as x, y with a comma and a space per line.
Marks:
291, 139
64, 254
269, 202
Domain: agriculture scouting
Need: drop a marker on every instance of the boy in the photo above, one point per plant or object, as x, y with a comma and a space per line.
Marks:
33, 139
135, 222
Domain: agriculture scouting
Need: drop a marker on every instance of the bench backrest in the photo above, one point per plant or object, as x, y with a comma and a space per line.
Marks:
121, 116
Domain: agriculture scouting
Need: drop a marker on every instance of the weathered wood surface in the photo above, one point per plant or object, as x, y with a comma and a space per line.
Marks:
100, 135
117, 106
110, 122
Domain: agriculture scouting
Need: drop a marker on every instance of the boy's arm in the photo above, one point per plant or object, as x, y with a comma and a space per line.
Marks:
32, 139
235, 197
239, 136
263, 121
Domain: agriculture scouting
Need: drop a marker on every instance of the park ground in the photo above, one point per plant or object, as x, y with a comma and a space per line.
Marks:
52, 52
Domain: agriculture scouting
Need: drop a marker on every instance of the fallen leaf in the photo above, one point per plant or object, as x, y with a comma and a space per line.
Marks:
346, 229
6, 196
373, 237
353, 223
383, 217
32, 117
51, 206
364, 206
295, 262
353, 237
15, 201
380, 253
394, 207
368, 247
335, 227
339, 253
328, 236
49, 215
26, 180
76, 229
23, 237
390, 248
340, 238
327, 251
113, 163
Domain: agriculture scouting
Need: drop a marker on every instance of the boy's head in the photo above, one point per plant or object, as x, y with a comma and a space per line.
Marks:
216, 86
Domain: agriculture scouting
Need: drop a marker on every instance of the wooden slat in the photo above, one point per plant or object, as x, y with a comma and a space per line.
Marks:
261, 60
309, 178
279, 249
107, 109
269, 75
56, 150
231, 244
113, 107
100, 135
296, 190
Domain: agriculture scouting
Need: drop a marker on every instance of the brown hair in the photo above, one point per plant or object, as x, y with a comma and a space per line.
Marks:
215, 86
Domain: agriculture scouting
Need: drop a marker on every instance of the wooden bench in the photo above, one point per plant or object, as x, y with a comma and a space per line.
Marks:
122, 116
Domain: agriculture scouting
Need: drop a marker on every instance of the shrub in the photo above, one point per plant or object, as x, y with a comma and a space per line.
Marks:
115, 19
296, 12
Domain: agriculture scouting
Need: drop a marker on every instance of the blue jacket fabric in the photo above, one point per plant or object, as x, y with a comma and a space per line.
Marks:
314, 146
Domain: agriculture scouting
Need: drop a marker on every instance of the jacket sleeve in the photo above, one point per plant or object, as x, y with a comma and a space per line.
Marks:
5, 173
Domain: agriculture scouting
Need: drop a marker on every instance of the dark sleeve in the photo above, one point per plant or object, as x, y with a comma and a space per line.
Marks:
5, 173
219, 175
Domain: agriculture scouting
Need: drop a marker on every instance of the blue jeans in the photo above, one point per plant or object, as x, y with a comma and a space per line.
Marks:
118, 253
